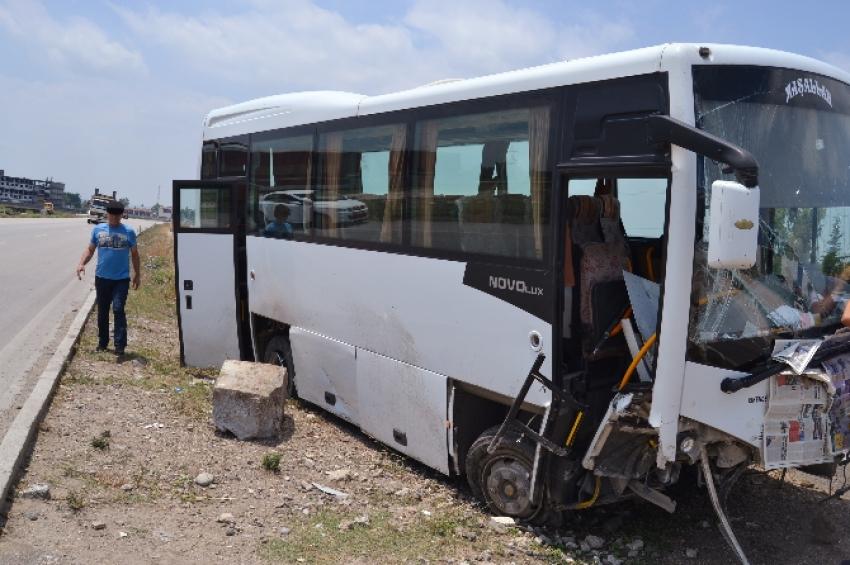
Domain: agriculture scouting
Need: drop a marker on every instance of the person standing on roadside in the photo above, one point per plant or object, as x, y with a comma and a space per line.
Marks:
116, 245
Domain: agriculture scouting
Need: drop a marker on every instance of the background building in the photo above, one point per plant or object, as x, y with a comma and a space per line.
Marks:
20, 190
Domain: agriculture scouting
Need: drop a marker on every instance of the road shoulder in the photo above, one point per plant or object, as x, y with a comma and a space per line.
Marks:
17, 440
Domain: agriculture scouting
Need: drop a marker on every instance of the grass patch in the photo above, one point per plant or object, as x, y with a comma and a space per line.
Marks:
155, 298
75, 501
271, 462
11, 212
319, 539
101, 442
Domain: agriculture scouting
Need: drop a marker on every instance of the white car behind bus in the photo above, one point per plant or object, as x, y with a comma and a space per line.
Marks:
306, 207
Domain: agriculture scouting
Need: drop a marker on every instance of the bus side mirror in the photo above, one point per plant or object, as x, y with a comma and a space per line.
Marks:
733, 225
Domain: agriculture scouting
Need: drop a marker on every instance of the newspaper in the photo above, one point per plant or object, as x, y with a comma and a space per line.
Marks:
796, 353
796, 423
838, 370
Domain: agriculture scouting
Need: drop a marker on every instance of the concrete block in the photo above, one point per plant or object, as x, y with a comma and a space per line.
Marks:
248, 399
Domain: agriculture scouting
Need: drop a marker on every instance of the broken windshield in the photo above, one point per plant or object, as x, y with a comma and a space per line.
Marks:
797, 125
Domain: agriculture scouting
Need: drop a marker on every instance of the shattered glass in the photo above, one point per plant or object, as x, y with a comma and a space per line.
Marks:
798, 286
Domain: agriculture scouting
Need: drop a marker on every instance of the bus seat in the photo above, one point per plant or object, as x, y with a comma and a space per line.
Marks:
600, 264
609, 299
601, 254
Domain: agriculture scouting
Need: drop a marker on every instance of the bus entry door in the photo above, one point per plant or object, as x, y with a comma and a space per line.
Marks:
207, 271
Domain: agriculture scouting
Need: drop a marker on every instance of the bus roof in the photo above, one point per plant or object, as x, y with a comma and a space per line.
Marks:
300, 108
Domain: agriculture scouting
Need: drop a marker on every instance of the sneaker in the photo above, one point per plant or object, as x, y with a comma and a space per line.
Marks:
119, 352
100, 348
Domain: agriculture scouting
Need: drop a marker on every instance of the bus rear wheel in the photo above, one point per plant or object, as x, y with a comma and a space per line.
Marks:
278, 352
502, 479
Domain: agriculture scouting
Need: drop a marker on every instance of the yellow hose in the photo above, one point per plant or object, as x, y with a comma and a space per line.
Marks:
590, 501
619, 327
636, 360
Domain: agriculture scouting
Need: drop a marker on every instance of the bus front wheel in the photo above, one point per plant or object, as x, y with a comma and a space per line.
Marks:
502, 479
278, 352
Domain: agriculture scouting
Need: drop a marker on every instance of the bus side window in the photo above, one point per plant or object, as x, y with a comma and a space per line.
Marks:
481, 183
280, 176
361, 184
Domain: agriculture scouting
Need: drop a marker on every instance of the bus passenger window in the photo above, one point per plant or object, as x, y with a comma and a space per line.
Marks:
361, 184
280, 176
481, 183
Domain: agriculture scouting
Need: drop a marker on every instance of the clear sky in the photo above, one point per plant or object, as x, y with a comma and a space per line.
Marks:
112, 94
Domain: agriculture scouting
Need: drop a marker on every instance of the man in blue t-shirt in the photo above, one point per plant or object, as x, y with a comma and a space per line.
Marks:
115, 244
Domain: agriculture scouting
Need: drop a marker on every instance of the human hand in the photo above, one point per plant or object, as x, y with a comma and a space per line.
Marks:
81, 270
136, 281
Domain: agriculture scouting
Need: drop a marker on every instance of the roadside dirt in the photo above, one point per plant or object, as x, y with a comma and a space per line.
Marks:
123, 443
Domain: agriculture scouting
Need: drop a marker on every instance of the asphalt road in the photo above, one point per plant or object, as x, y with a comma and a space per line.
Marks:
39, 296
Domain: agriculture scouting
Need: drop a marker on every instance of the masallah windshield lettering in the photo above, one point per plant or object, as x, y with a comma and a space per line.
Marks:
807, 86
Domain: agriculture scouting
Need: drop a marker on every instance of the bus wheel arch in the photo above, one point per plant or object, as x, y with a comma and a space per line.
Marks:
502, 479
278, 352
272, 339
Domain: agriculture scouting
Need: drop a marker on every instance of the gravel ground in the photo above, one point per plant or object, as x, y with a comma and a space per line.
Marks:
124, 442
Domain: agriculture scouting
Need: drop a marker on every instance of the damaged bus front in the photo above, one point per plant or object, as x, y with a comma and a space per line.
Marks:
768, 332
762, 378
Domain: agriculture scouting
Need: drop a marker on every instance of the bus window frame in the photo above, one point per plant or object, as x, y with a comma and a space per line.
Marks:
409, 117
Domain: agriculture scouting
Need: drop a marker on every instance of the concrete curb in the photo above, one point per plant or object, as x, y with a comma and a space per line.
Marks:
22, 431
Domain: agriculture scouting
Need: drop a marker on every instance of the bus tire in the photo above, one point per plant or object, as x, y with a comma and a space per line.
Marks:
502, 479
278, 352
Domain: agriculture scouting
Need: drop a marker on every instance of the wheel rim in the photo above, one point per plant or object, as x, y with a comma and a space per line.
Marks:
508, 486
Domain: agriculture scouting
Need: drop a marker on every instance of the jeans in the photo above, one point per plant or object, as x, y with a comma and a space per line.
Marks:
113, 292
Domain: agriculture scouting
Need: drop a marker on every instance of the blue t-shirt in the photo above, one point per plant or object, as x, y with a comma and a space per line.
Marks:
113, 250
278, 229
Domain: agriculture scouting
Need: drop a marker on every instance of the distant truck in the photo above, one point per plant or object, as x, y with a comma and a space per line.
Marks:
47, 208
98, 204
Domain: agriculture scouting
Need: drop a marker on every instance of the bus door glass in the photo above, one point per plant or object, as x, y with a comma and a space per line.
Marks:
206, 249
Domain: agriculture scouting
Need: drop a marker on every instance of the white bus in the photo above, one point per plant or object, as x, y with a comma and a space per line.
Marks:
698, 193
